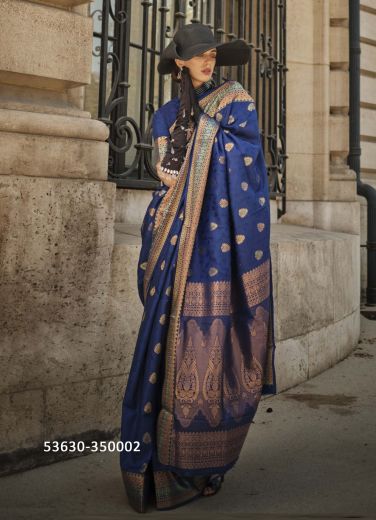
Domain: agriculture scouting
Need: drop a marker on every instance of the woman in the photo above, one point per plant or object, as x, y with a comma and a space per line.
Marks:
205, 349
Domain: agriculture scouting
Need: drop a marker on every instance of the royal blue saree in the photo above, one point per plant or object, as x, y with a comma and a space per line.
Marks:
205, 350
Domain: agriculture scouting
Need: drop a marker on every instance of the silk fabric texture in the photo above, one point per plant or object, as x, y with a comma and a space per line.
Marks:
205, 349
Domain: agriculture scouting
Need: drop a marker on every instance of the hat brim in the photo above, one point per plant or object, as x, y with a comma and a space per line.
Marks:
236, 52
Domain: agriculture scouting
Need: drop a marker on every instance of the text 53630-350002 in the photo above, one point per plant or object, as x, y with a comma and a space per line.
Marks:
72, 446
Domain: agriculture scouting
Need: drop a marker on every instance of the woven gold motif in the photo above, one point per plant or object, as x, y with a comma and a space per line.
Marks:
163, 264
218, 116
256, 283
212, 384
262, 200
222, 159
153, 378
225, 247
230, 120
248, 160
258, 254
213, 271
244, 186
173, 240
146, 438
143, 265
229, 147
251, 107
243, 124
151, 211
148, 407
162, 319
213, 226
239, 239
223, 203
207, 449
168, 290
260, 226
187, 384
243, 212
152, 291
207, 299
157, 348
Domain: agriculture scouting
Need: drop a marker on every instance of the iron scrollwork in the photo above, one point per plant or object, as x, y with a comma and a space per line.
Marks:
261, 23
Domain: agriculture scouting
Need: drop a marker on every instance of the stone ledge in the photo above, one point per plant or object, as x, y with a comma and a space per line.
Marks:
37, 123
44, 47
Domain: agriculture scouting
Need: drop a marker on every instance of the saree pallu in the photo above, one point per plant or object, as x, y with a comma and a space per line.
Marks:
205, 349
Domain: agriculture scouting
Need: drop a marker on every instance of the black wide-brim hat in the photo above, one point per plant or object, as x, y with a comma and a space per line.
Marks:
195, 38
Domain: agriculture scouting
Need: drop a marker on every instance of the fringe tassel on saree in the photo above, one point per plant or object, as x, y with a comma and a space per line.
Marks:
205, 349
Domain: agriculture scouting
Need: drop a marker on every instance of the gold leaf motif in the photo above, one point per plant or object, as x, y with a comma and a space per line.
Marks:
213, 226
230, 120
258, 254
240, 239
248, 160
152, 291
181, 216
260, 226
151, 211
218, 117
244, 186
143, 265
148, 407
243, 124
262, 200
146, 438
153, 378
213, 271
173, 240
243, 212
168, 290
162, 319
150, 226
226, 131
215, 139
157, 348
223, 203
251, 106
225, 247
229, 146
222, 159
163, 264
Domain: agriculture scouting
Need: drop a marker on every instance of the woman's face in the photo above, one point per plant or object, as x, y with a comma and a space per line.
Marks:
200, 66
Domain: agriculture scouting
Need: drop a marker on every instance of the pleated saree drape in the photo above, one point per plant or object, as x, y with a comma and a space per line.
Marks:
205, 350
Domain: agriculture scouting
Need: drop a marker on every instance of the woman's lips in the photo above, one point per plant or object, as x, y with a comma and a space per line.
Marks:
206, 71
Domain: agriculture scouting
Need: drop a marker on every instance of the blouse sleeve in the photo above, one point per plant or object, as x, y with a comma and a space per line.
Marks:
161, 136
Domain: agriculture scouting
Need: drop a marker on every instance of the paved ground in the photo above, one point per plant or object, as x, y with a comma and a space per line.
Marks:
312, 456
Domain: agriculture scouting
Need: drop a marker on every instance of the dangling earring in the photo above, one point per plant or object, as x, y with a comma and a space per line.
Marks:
179, 74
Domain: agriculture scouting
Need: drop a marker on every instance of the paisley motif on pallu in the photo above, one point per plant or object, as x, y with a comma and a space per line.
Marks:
205, 350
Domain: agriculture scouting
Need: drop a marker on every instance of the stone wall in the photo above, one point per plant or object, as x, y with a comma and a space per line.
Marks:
60, 377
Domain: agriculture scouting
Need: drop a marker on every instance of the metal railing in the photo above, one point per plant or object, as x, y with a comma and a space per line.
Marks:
131, 36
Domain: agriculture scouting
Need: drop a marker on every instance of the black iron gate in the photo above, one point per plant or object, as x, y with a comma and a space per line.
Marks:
128, 40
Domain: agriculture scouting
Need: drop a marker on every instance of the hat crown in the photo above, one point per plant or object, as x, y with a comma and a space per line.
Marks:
189, 35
